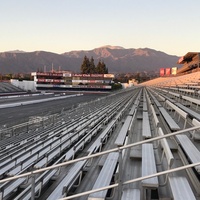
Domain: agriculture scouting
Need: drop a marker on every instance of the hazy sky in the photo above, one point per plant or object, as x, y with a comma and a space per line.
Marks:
172, 26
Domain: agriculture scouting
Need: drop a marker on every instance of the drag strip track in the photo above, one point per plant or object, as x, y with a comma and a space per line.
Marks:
20, 114
23, 103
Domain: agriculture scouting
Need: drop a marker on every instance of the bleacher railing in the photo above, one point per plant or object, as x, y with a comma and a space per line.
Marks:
32, 122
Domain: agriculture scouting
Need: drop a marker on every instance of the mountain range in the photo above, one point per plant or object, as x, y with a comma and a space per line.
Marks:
116, 58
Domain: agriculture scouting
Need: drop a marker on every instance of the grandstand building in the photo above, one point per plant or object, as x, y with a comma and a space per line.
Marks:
190, 61
66, 80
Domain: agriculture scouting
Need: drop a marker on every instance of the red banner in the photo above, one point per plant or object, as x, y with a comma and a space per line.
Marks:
162, 71
167, 71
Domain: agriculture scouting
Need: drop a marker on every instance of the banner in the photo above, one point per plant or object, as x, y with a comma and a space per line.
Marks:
162, 71
174, 70
168, 71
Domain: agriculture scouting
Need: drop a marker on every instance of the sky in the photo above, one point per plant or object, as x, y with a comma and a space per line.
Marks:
60, 26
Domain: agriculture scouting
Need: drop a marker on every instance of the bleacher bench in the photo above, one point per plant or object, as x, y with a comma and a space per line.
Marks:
131, 194
189, 148
105, 176
146, 131
149, 166
171, 123
67, 181
123, 132
181, 189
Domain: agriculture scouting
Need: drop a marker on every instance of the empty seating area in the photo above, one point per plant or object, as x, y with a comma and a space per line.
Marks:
99, 130
7, 87
188, 81
42, 148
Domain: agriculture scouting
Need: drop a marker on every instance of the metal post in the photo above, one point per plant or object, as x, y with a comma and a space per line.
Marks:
12, 132
32, 186
198, 61
120, 181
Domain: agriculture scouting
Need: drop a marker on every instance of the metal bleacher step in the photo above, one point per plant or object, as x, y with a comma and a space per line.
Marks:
136, 152
102, 160
172, 144
139, 115
186, 105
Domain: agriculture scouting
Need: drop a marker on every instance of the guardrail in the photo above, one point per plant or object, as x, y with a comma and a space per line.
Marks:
35, 121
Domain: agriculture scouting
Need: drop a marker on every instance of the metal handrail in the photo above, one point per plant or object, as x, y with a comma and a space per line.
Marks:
131, 181
99, 154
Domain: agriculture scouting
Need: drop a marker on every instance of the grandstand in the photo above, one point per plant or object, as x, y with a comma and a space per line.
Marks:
188, 76
71, 81
189, 81
137, 143
7, 87
190, 61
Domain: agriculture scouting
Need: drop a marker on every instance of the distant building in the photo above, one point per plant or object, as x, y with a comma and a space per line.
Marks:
132, 82
66, 80
190, 61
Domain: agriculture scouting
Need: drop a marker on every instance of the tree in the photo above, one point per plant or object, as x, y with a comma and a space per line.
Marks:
88, 67
104, 69
116, 86
92, 66
101, 68
98, 68
85, 67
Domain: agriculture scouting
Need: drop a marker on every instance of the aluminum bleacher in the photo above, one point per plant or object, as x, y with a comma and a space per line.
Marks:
130, 194
181, 188
105, 176
176, 183
68, 181
146, 130
92, 132
148, 168
123, 132
189, 148
7, 87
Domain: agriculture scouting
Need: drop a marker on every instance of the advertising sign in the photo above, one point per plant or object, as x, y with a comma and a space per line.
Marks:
174, 70
167, 71
162, 71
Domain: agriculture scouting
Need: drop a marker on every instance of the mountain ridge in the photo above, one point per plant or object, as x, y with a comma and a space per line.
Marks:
116, 58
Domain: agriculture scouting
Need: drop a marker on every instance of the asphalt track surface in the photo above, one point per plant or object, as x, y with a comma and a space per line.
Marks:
19, 114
